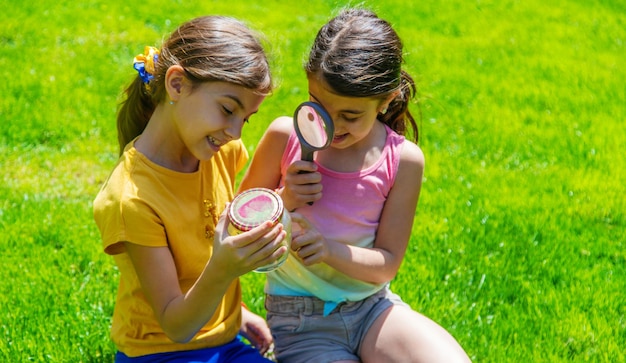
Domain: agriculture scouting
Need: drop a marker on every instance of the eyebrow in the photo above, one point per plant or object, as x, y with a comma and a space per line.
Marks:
356, 112
237, 100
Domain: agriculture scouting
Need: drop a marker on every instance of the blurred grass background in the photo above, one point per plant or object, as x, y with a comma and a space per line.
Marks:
518, 244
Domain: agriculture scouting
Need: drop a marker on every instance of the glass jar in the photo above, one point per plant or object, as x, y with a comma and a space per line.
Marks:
254, 206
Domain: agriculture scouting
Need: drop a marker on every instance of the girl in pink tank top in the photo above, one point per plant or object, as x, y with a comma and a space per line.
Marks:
333, 289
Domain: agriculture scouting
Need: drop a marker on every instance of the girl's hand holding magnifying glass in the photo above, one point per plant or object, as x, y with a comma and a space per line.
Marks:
302, 185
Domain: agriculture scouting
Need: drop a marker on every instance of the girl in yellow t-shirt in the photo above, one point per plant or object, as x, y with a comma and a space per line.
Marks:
160, 210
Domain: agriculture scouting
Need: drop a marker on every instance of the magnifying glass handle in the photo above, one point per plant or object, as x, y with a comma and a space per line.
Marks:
307, 155
304, 172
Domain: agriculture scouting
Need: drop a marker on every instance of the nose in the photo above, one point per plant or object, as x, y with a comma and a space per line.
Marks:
233, 132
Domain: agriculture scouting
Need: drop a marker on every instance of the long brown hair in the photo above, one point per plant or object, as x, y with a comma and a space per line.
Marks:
209, 48
359, 54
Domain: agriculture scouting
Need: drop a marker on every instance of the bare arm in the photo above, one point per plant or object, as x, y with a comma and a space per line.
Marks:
381, 263
180, 315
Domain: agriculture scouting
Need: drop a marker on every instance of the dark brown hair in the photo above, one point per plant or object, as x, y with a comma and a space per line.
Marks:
358, 54
209, 48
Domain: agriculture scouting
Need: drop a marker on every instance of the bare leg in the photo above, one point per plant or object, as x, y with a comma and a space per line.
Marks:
403, 335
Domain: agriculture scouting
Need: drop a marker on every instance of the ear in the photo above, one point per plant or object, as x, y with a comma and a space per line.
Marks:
385, 104
174, 82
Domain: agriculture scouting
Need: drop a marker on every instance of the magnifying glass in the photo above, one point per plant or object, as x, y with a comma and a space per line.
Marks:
314, 128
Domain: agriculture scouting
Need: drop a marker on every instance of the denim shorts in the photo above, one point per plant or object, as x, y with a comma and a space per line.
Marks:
303, 334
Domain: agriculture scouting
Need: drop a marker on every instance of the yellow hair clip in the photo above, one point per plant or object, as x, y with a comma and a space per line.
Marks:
145, 63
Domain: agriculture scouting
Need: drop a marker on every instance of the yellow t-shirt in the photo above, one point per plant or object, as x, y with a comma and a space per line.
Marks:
144, 203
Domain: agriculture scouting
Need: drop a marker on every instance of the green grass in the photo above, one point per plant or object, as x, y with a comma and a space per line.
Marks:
518, 244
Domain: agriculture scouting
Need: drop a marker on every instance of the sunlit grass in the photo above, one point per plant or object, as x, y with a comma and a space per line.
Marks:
518, 244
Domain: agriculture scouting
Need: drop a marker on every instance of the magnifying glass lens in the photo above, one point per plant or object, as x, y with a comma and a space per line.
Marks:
312, 127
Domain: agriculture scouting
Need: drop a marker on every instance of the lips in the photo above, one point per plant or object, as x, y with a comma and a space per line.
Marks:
214, 143
339, 138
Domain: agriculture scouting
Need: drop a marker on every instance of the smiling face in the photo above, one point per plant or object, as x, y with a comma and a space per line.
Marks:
353, 117
211, 114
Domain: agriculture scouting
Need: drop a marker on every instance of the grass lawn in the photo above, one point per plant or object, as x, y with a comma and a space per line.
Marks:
518, 246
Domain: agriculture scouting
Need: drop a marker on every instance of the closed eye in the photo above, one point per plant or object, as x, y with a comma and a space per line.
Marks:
227, 111
350, 119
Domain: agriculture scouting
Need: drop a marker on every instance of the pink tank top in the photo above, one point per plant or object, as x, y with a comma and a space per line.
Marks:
349, 212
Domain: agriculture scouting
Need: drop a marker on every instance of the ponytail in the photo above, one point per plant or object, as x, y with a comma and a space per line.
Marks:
398, 116
134, 113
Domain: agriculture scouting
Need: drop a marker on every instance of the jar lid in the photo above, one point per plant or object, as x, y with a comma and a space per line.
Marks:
253, 207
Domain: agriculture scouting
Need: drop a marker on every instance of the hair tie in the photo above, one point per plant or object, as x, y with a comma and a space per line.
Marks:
144, 63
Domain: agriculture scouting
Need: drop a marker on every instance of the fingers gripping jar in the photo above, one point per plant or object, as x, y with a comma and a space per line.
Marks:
253, 207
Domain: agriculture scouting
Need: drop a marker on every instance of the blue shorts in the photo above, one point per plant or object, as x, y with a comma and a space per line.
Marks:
303, 333
235, 352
